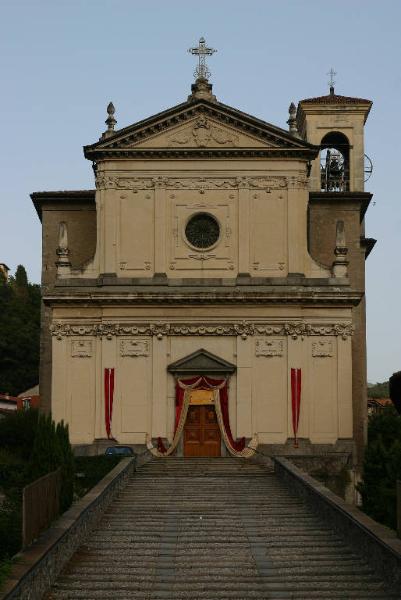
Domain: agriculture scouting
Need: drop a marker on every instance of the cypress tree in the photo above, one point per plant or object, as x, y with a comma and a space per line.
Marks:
46, 453
67, 465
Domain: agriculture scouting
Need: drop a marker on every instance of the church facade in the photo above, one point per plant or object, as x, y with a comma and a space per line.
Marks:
208, 295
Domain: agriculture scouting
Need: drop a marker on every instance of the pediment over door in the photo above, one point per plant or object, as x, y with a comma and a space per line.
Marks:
201, 362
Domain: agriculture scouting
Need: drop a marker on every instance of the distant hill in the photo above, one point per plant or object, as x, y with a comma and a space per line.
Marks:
378, 390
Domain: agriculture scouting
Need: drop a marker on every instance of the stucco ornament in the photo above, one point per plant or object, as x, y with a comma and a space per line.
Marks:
159, 329
203, 134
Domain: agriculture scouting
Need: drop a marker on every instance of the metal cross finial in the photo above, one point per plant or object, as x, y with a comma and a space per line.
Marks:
201, 51
331, 83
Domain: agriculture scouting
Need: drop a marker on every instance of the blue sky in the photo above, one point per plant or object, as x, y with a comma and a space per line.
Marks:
63, 61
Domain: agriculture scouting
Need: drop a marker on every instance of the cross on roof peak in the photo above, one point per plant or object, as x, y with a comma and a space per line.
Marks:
331, 82
201, 51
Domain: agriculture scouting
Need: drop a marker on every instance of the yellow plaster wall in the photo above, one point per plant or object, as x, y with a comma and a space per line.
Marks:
259, 393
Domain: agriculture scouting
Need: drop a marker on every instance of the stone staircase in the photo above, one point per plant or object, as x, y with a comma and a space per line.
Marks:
214, 529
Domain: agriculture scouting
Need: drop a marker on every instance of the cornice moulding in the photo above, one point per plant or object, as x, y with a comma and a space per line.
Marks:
197, 297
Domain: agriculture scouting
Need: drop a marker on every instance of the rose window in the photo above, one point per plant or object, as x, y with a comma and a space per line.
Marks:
202, 231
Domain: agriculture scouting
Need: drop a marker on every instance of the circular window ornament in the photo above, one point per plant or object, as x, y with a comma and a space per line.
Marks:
202, 231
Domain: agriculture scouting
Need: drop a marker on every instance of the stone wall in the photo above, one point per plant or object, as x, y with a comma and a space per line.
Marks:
378, 544
36, 569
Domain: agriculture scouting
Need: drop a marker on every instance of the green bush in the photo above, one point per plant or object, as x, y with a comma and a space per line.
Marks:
46, 452
52, 449
67, 466
18, 431
31, 445
382, 467
10, 528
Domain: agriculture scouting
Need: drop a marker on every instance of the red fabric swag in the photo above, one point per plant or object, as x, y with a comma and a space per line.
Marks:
205, 383
296, 400
108, 399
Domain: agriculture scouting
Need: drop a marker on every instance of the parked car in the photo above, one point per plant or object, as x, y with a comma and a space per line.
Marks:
119, 451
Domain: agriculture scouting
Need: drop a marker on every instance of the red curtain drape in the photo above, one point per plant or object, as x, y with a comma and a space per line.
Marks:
205, 383
296, 400
108, 399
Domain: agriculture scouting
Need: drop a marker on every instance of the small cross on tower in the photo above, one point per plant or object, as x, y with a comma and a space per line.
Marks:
201, 51
331, 82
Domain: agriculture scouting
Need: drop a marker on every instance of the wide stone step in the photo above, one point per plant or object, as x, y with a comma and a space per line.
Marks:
215, 529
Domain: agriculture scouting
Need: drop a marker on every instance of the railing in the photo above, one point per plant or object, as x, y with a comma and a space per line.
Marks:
40, 505
334, 185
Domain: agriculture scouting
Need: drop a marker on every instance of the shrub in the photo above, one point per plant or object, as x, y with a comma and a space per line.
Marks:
10, 528
18, 431
67, 466
46, 452
382, 467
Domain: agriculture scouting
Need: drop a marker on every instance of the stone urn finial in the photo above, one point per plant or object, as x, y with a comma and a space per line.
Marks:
110, 121
292, 120
63, 262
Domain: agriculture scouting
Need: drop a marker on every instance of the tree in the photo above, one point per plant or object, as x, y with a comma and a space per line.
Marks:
21, 278
67, 466
20, 303
47, 454
382, 467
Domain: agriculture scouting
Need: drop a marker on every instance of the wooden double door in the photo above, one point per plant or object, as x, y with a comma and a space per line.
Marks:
202, 432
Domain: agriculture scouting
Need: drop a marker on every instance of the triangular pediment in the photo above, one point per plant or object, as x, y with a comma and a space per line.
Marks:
201, 362
200, 127
202, 132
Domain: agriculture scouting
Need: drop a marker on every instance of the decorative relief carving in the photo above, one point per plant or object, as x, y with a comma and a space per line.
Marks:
298, 182
203, 134
123, 183
243, 328
202, 183
134, 347
124, 266
267, 183
104, 181
322, 348
268, 347
201, 256
82, 348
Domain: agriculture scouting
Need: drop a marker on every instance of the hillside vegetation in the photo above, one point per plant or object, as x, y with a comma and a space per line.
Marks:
378, 390
20, 333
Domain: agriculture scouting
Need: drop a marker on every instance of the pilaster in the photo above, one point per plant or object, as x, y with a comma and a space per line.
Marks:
243, 230
344, 387
297, 225
159, 381
244, 386
160, 226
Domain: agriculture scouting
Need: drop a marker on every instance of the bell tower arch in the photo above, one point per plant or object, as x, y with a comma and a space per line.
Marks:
336, 124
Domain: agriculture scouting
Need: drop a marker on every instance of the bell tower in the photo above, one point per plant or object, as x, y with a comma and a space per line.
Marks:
336, 124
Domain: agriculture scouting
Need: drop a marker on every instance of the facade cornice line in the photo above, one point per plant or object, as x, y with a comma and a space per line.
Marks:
205, 299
